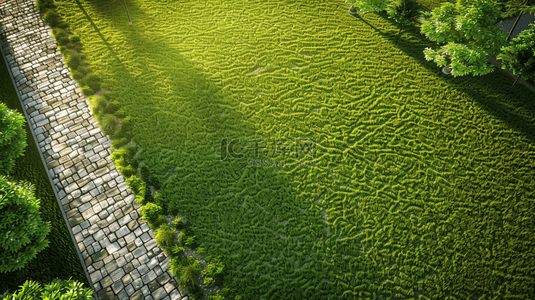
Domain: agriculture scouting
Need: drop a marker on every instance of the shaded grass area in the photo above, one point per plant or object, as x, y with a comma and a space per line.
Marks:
420, 185
59, 259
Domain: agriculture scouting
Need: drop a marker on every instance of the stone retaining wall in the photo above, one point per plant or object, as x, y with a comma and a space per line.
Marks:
117, 249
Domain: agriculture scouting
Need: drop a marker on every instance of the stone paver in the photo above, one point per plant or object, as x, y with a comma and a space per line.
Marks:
114, 244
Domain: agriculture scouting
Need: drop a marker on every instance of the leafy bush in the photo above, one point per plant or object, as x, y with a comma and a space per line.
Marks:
187, 273
213, 273
73, 59
58, 289
92, 81
177, 250
151, 213
108, 124
76, 75
165, 238
403, 12
123, 159
519, 56
98, 104
52, 18
12, 138
138, 187
178, 223
22, 231
61, 36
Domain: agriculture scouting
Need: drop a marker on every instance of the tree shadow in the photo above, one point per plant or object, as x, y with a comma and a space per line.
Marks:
181, 148
492, 91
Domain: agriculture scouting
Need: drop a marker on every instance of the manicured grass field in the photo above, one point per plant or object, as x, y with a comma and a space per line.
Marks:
60, 258
421, 185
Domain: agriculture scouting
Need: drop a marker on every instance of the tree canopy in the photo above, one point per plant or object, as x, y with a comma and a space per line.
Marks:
466, 33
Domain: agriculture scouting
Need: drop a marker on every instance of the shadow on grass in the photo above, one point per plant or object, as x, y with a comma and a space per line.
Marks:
515, 107
248, 215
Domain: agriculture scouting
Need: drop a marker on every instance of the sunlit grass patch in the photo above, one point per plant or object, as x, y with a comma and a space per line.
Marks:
415, 181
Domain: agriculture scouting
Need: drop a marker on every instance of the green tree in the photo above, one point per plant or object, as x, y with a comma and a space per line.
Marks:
367, 6
57, 290
12, 138
22, 231
467, 34
512, 8
403, 12
519, 55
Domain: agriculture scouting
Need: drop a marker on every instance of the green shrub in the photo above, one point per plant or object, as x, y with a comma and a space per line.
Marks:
159, 199
73, 59
57, 290
52, 18
22, 231
138, 187
177, 250
87, 91
178, 223
83, 69
213, 273
108, 124
76, 75
165, 238
123, 159
92, 81
12, 137
61, 36
152, 213
187, 272
99, 104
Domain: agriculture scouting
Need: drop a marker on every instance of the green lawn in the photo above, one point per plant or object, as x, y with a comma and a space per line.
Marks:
60, 258
421, 184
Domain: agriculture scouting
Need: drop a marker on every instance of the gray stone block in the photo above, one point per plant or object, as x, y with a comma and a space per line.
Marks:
117, 274
117, 286
150, 276
139, 251
159, 294
96, 276
122, 232
111, 248
129, 289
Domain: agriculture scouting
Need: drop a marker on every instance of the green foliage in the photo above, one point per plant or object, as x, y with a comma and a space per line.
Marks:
367, 6
469, 33
512, 8
152, 213
74, 60
123, 160
177, 250
22, 231
403, 12
58, 289
108, 124
519, 55
165, 238
178, 223
213, 273
61, 36
92, 81
52, 18
189, 241
187, 273
138, 187
12, 137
